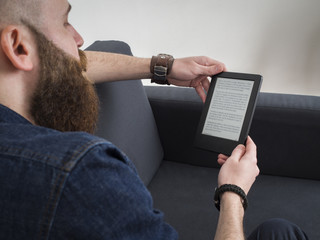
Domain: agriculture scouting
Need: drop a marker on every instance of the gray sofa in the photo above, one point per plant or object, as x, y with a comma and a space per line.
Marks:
155, 126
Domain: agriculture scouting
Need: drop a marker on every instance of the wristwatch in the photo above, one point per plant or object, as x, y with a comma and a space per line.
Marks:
160, 67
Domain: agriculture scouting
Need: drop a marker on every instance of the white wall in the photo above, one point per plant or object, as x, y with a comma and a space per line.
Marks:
279, 39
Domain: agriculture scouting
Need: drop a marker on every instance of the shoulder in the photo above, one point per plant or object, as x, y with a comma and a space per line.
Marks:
57, 149
105, 194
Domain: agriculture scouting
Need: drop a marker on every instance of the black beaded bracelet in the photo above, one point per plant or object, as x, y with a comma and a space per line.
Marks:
230, 188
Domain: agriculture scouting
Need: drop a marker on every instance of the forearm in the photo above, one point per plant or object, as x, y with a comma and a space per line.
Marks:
104, 67
230, 225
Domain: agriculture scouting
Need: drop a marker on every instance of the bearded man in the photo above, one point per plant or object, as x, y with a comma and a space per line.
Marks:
58, 181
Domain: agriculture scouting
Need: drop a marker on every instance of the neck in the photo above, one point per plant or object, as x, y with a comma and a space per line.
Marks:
20, 110
15, 94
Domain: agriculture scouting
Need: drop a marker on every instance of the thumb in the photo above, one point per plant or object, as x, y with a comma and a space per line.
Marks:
238, 152
211, 70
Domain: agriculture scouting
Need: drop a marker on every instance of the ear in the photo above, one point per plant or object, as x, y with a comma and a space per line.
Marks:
17, 46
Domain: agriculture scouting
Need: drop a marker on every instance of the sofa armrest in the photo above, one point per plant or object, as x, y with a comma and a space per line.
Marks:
126, 117
285, 129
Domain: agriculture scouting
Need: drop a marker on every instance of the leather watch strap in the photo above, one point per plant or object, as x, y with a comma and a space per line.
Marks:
160, 67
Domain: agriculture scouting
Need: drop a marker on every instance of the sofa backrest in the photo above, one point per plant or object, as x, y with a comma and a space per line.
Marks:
285, 128
126, 118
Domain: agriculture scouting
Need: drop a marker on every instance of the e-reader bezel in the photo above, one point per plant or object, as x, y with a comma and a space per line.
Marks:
223, 145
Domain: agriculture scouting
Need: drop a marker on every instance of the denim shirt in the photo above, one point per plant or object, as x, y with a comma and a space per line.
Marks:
73, 185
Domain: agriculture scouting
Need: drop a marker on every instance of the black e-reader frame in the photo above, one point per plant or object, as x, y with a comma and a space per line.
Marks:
228, 111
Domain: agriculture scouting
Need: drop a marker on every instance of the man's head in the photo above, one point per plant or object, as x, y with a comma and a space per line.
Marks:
41, 51
12, 11
50, 17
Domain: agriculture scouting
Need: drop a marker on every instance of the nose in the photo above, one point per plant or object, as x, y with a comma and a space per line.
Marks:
77, 37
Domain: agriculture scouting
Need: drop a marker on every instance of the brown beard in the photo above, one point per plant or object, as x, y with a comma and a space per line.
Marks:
64, 98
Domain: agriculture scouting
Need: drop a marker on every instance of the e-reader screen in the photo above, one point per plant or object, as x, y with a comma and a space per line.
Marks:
228, 111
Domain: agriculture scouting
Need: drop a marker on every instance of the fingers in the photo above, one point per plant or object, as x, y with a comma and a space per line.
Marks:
240, 151
221, 161
202, 94
206, 84
222, 156
237, 153
201, 85
207, 66
240, 168
194, 72
213, 66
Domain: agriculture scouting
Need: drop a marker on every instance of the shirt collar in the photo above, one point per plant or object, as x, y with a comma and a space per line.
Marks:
9, 116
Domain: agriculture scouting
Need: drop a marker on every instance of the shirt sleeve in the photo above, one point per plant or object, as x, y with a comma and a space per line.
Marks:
103, 198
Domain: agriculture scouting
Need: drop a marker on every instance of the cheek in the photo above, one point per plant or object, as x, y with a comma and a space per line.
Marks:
69, 47
66, 43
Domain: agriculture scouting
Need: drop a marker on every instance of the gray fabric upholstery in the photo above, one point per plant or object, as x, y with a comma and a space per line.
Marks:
126, 118
286, 130
177, 112
185, 194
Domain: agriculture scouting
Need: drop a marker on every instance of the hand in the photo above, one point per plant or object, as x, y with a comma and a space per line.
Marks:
240, 168
194, 72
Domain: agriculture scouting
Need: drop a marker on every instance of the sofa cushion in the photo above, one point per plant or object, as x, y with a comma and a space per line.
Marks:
126, 118
185, 194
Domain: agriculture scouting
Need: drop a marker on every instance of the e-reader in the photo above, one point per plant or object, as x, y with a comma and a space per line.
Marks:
228, 111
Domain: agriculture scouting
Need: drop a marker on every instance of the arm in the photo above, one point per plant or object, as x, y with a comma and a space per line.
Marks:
230, 225
239, 169
186, 72
104, 67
